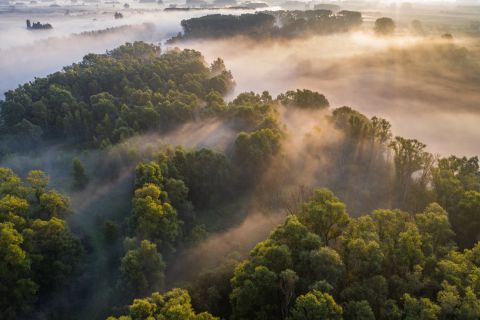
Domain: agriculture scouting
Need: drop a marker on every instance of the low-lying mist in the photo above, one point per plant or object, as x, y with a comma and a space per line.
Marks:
427, 87
28, 54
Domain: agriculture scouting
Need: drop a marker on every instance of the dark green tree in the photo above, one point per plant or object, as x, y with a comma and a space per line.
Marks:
80, 178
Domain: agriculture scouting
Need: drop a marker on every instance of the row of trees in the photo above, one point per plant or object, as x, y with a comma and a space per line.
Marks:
269, 24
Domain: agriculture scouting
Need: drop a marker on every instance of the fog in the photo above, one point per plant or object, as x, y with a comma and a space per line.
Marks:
26, 54
213, 251
425, 86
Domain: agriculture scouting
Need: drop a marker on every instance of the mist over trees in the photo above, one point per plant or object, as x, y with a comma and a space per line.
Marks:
373, 225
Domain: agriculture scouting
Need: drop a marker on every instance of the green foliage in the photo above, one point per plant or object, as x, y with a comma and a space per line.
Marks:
208, 175
262, 24
465, 218
356, 125
210, 290
148, 173
422, 309
325, 215
80, 178
107, 98
10, 183
250, 111
173, 305
304, 99
56, 253
263, 287
17, 290
358, 310
38, 253
316, 305
153, 218
255, 150
412, 169
54, 204
110, 232
254, 295
436, 231
142, 270
387, 265
217, 25
456, 182
38, 181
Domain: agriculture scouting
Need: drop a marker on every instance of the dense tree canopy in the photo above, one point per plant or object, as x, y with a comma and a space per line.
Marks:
173, 305
406, 248
304, 99
276, 24
386, 265
109, 97
38, 253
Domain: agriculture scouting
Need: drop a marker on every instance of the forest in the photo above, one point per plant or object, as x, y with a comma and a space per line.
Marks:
365, 224
269, 24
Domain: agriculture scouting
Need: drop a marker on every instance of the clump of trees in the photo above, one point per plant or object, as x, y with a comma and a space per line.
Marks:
219, 25
80, 178
175, 304
38, 253
109, 97
389, 264
263, 24
305, 99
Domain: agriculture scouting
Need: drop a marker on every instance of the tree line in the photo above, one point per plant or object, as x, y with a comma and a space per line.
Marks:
269, 24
